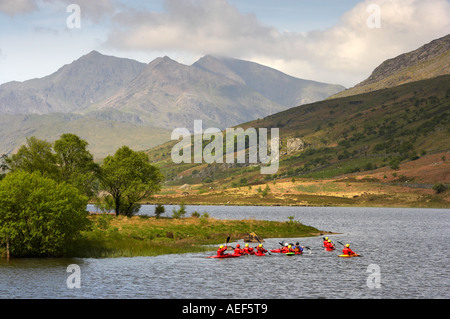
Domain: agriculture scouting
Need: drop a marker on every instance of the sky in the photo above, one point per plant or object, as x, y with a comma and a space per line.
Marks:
331, 41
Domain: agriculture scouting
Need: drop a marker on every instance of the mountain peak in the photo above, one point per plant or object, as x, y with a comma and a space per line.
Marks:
91, 55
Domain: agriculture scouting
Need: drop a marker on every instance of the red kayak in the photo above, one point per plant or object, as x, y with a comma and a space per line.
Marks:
259, 254
225, 256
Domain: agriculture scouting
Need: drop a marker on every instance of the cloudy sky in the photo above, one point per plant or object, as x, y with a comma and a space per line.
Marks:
332, 41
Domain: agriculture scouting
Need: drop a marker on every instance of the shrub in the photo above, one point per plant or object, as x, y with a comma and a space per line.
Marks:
439, 188
38, 216
179, 213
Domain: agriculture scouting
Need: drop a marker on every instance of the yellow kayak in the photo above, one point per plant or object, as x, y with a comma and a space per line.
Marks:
347, 256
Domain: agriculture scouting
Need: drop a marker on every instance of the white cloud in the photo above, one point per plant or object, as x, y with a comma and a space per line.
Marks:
13, 7
345, 53
92, 10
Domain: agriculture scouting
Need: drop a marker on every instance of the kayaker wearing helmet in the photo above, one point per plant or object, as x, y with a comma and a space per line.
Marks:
325, 242
238, 250
261, 249
285, 248
248, 249
298, 248
347, 250
221, 250
330, 245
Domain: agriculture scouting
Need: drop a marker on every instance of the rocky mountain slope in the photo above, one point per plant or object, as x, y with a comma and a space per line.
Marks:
220, 91
429, 61
75, 86
109, 92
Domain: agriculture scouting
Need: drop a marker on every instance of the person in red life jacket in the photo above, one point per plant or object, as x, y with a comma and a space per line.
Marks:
285, 248
248, 249
347, 250
330, 245
261, 249
238, 250
221, 250
325, 242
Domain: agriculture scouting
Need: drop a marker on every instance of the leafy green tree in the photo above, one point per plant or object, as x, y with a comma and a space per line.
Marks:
75, 163
104, 203
35, 156
129, 177
159, 210
38, 216
67, 160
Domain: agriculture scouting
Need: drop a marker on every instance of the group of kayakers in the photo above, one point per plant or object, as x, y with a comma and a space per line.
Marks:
247, 250
285, 248
289, 248
329, 246
259, 249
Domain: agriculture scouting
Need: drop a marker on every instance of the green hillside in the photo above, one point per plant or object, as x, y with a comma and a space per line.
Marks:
104, 136
383, 129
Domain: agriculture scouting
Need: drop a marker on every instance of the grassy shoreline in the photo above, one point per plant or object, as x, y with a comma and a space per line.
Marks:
364, 199
119, 236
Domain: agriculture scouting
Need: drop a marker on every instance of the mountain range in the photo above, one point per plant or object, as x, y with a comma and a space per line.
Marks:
104, 99
360, 132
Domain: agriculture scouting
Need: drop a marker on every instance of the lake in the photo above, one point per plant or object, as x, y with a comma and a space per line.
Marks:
405, 255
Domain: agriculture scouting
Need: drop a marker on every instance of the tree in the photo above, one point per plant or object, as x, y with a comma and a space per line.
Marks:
38, 216
75, 163
68, 160
35, 156
129, 177
394, 163
159, 210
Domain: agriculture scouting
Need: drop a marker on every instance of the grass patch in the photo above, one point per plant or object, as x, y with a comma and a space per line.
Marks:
120, 236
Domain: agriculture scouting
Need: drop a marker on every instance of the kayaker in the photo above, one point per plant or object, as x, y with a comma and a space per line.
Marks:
347, 250
325, 242
261, 249
285, 248
221, 250
248, 249
298, 248
330, 245
238, 250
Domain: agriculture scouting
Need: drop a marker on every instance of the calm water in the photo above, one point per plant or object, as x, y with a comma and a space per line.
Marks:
407, 246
